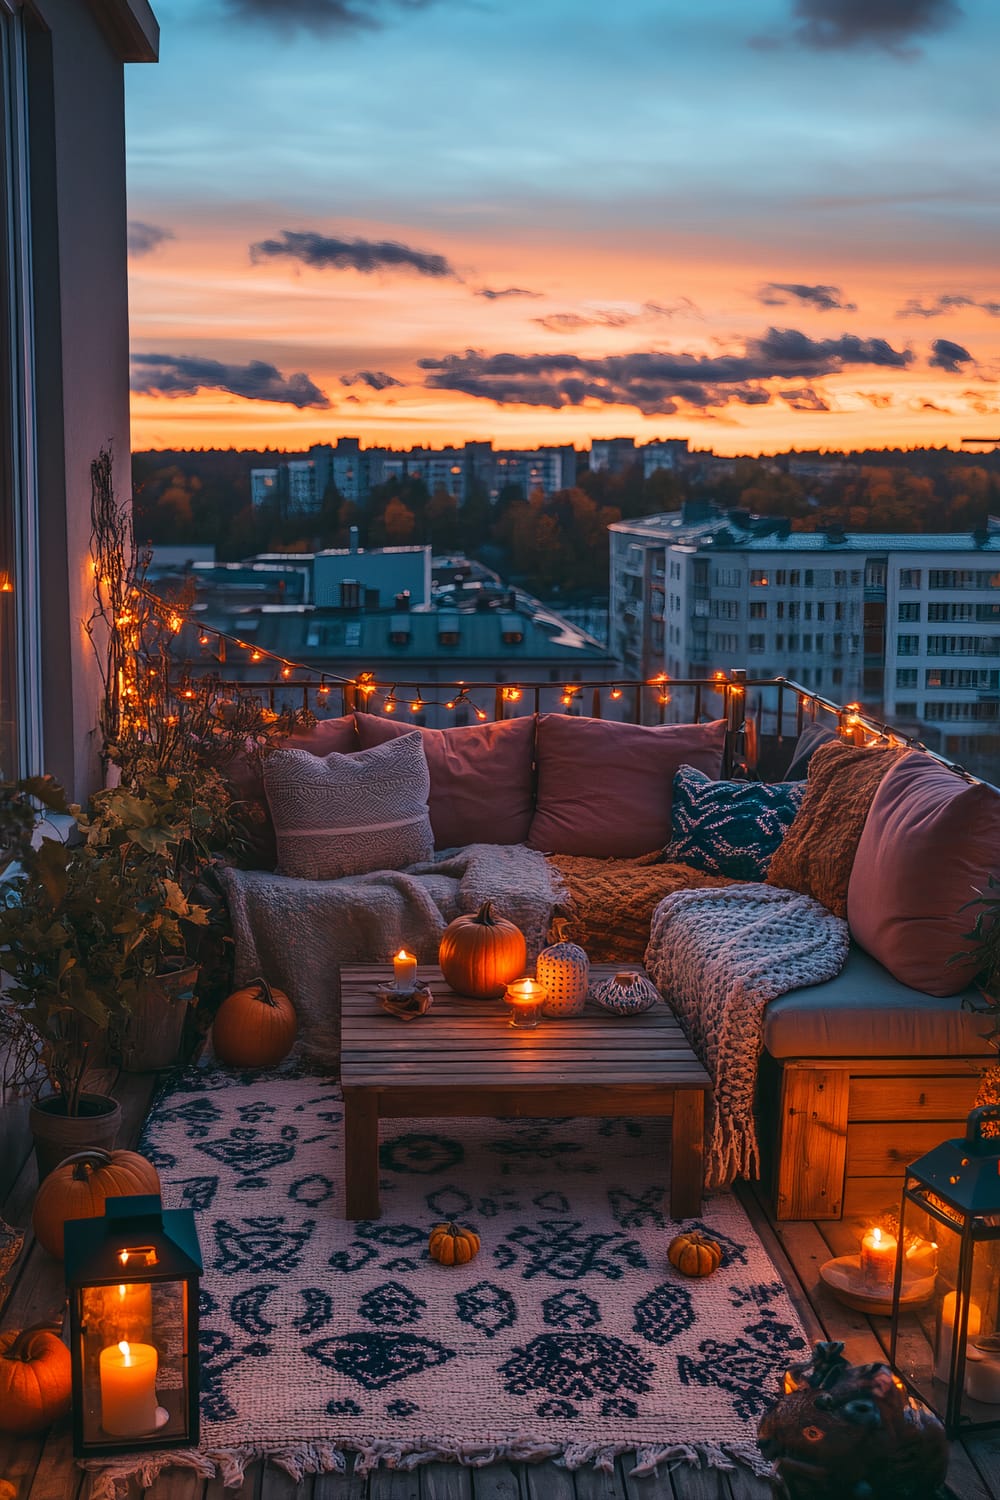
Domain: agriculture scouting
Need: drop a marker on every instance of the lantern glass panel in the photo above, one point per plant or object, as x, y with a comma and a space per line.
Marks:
947, 1348
135, 1375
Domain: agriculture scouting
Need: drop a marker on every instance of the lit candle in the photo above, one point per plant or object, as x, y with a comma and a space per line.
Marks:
526, 998
128, 1389
878, 1260
404, 968
946, 1336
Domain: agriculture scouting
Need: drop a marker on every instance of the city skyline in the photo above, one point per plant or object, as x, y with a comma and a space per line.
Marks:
429, 222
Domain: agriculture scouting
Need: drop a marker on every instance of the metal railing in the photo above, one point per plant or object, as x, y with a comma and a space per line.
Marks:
754, 708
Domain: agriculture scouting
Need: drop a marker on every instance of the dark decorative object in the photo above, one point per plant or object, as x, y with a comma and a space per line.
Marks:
851, 1432
951, 1197
405, 1005
132, 1279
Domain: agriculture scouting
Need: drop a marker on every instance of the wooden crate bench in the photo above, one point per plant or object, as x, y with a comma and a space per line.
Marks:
860, 1076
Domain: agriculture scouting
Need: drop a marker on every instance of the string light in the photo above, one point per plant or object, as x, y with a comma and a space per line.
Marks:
417, 703
255, 655
511, 694
286, 671
480, 714
616, 693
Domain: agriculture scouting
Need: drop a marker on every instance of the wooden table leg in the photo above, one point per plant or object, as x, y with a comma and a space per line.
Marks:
687, 1148
361, 1154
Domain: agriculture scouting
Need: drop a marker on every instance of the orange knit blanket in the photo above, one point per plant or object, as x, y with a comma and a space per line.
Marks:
611, 901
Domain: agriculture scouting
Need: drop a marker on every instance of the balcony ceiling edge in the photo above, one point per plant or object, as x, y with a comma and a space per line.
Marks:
131, 27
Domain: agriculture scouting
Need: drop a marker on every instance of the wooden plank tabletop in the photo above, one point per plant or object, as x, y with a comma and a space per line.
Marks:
471, 1041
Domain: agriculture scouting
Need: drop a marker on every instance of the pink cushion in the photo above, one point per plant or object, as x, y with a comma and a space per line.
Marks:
482, 781
929, 842
604, 789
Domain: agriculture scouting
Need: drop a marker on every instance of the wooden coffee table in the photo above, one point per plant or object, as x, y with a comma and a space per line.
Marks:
464, 1060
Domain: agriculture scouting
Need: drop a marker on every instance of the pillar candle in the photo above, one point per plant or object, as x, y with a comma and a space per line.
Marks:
949, 1308
404, 969
878, 1260
128, 1389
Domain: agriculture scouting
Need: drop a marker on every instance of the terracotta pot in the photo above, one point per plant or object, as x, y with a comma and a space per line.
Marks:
153, 1032
58, 1135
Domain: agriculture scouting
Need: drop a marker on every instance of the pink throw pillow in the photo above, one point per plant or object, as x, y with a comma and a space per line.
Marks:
482, 778
929, 843
604, 789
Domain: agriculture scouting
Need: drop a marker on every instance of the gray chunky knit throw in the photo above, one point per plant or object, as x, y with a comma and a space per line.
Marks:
297, 933
718, 957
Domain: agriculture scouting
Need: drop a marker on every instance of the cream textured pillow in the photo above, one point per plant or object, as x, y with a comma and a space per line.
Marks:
350, 814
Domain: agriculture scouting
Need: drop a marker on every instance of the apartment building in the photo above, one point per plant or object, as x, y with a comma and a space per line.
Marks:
298, 485
908, 625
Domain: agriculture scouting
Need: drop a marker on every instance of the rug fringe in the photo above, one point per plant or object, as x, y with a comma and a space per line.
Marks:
110, 1477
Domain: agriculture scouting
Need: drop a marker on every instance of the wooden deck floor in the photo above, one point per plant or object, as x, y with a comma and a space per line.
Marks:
43, 1468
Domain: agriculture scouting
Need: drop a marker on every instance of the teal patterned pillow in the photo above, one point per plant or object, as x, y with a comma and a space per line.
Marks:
730, 827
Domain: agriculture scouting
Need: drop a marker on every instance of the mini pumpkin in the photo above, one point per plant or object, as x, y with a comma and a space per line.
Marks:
451, 1245
78, 1187
254, 1027
694, 1254
35, 1379
480, 955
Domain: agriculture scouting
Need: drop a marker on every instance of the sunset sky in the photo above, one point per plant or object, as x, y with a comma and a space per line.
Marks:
537, 221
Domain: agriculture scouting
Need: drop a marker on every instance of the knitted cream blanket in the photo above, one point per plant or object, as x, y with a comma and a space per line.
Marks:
718, 957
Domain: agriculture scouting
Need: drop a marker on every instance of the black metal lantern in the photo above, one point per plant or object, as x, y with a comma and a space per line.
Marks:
950, 1220
132, 1280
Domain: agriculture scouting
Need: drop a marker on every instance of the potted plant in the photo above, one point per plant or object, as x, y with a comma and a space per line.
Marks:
984, 936
85, 925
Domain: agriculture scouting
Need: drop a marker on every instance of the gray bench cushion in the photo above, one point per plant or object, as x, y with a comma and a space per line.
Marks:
864, 1012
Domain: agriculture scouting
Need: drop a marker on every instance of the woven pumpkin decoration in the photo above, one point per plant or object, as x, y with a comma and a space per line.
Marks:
694, 1254
627, 993
78, 1187
564, 970
451, 1245
35, 1379
255, 1027
480, 955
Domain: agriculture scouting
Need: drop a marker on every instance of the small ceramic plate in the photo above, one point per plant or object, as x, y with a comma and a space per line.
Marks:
843, 1277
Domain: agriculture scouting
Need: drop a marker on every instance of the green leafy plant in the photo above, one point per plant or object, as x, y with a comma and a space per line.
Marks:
984, 937
85, 923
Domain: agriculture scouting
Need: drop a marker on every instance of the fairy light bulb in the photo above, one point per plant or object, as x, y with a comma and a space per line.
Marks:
286, 671
480, 714
616, 693
255, 655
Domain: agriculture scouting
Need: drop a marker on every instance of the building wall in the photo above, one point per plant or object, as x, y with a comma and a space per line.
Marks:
81, 355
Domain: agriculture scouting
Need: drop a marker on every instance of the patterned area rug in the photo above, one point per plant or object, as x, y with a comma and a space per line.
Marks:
569, 1337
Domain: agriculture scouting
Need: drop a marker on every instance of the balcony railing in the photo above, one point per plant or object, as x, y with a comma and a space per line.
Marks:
757, 710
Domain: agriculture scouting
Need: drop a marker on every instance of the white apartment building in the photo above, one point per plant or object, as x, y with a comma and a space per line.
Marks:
907, 625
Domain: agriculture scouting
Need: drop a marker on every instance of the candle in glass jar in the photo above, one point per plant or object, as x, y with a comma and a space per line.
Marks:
526, 998
404, 969
946, 1335
128, 1389
878, 1259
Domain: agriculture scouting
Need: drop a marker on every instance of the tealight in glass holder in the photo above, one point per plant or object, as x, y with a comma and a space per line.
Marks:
526, 998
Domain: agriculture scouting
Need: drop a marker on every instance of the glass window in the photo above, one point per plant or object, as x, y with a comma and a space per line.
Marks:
758, 578
909, 611
758, 609
756, 643
909, 578
907, 645
906, 677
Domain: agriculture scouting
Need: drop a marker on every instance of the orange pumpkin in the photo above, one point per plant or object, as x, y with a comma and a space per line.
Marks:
255, 1027
480, 955
77, 1188
694, 1254
34, 1379
451, 1245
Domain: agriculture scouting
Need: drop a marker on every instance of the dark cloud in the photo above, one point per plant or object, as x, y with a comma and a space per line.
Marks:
377, 380
497, 294
184, 374
320, 16
946, 303
323, 251
922, 404
805, 399
655, 382
143, 239
948, 356
892, 25
826, 298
